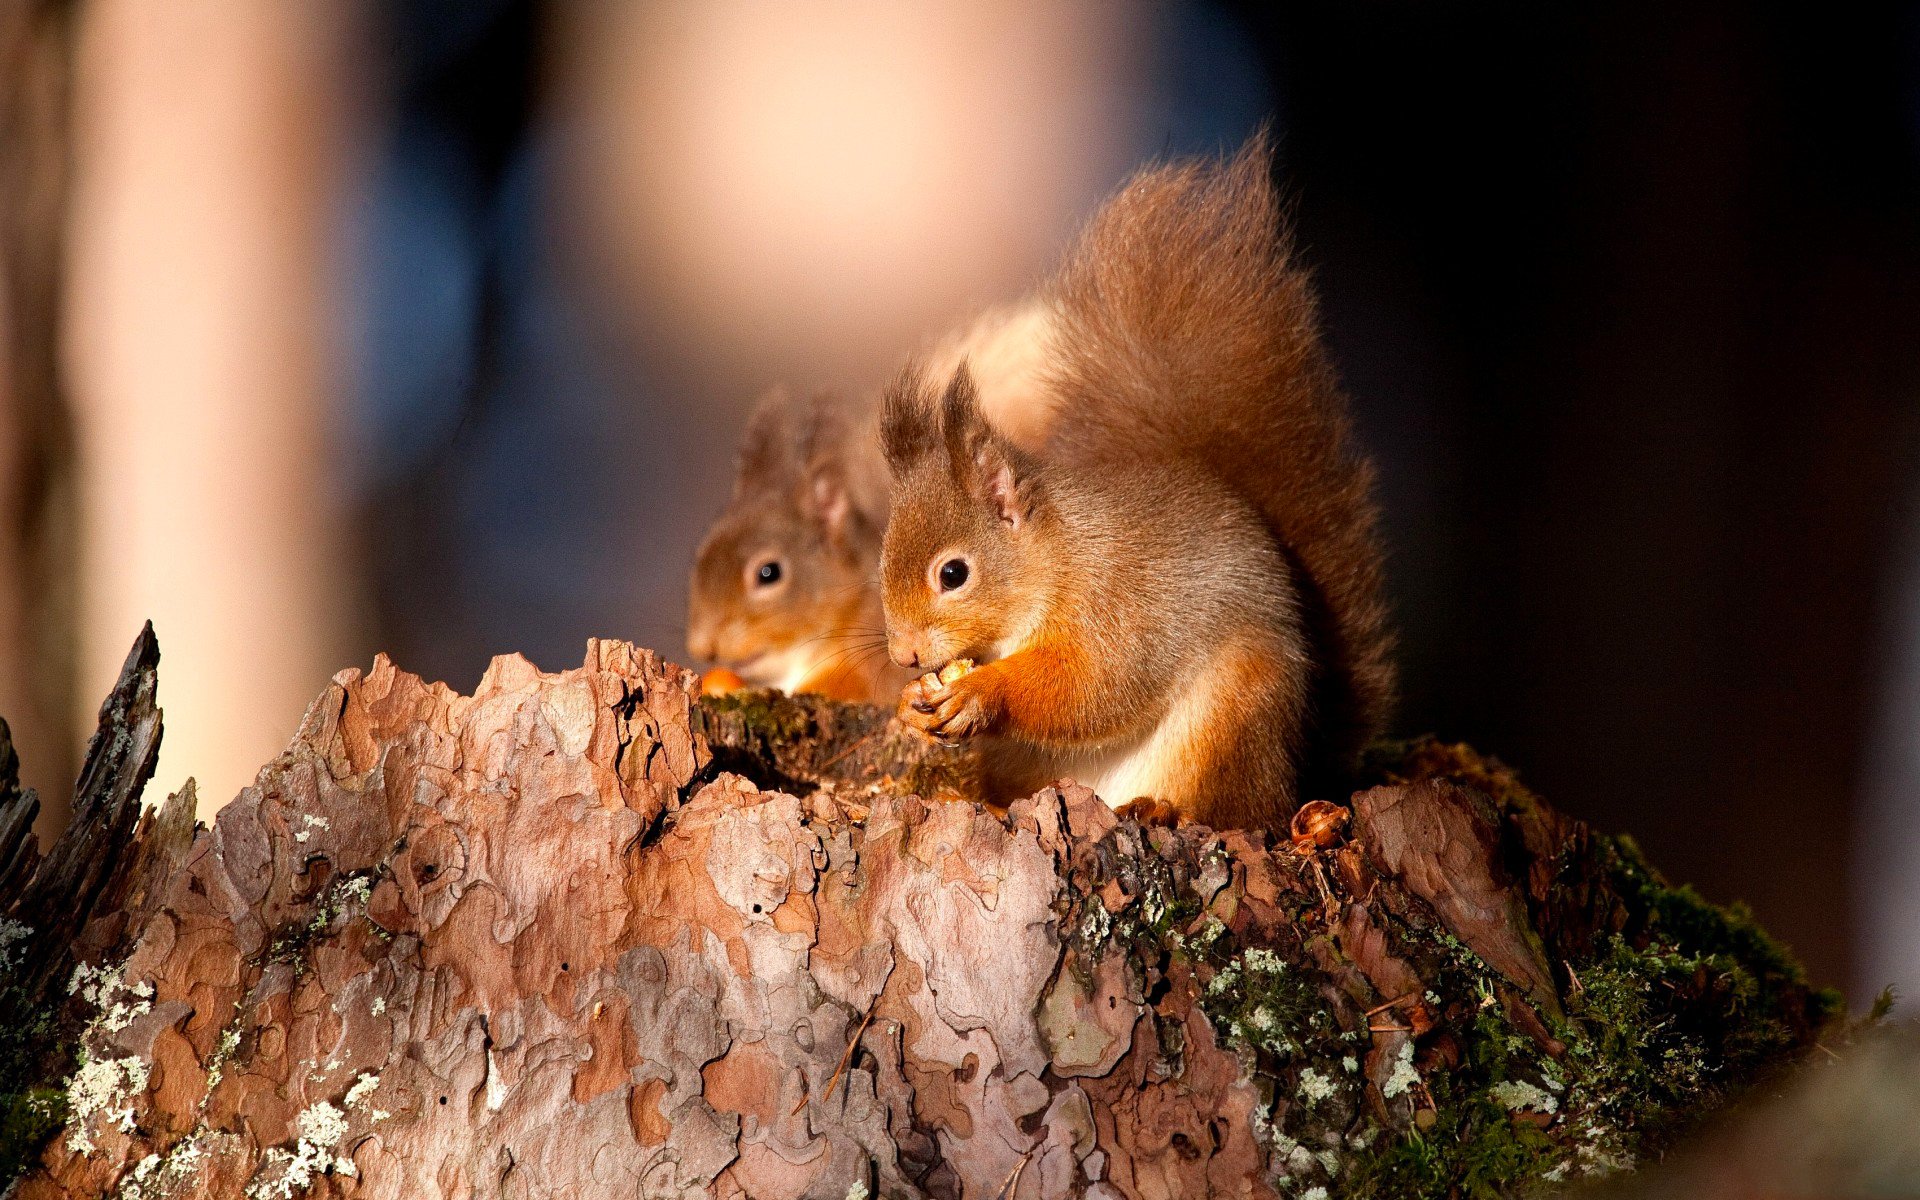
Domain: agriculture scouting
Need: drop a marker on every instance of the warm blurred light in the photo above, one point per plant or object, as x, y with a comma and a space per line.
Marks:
200, 367
814, 187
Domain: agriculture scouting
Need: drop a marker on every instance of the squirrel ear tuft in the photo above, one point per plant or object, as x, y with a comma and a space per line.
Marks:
906, 419
960, 420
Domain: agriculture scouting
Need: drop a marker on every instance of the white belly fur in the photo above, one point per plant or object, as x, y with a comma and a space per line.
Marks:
1152, 765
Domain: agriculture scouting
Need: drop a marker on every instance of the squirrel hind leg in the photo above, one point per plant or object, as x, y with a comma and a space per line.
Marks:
1227, 752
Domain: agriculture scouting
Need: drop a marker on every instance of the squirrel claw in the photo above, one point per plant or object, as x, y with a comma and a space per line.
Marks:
948, 714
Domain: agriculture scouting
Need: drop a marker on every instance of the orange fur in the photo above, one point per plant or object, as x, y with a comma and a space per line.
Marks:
1177, 593
1185, 284
810, 493
808, 496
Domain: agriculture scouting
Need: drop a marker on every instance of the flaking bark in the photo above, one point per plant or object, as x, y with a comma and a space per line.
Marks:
582, 934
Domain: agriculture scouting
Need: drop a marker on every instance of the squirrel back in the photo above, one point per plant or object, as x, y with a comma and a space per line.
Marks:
1183, 327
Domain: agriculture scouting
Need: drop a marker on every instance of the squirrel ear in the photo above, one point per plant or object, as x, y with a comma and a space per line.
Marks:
825, 493
766, 449
981, 458
1001, 488
829, 502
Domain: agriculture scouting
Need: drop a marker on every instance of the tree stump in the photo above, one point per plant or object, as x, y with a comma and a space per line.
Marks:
584, 934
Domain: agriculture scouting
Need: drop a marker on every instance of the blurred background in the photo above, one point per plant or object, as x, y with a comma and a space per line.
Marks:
428, 327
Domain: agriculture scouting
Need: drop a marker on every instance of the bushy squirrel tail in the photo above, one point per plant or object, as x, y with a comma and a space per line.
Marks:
1184, 328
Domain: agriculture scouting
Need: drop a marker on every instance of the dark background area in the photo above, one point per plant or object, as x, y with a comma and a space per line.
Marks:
1631, 307
1628, 302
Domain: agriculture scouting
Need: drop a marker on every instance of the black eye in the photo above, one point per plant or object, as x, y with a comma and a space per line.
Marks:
768, 574
953, 573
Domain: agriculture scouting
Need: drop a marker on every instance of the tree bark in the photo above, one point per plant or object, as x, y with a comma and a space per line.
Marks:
584, 934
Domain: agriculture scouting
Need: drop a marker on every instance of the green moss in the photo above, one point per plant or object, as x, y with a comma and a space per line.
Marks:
1680, 918
1681, 1010
1259, 1001
291, 943
1669, 1019
1475, 1150
1882, 1006
35, 1048
28, 1121
767, 713
1639, 1043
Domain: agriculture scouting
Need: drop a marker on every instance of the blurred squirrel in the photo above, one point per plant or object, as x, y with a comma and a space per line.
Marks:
785, 590
782, 589
1175, 595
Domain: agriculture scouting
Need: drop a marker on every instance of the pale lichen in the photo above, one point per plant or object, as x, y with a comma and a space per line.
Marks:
342, 894
1517, 1095
103, 1087
122, 1013
320, 1128
1314, 1087
94, 984
155, 1176
12, 935
1264, 961
222, 1052
1404, 1074
116, 1003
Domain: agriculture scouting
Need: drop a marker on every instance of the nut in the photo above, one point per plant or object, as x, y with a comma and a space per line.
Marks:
1318, 824
945, 676
720, 681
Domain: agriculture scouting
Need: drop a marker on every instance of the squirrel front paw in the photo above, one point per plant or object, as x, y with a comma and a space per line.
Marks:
948, 711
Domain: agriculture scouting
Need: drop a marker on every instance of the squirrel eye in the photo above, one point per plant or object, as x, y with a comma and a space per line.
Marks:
768, 574
953, 573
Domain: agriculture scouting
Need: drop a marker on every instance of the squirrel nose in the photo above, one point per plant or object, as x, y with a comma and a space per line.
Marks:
903, 654
700, 643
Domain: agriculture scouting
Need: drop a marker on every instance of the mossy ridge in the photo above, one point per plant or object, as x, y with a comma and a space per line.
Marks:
1675, 1006
1670, 1015
1679, 917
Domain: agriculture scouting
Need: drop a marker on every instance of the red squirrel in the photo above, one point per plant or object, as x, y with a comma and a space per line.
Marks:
785, 589
1176, 596
782, 593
